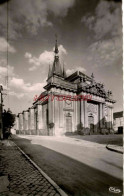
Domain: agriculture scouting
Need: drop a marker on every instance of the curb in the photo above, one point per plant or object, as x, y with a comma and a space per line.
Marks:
114, 150
62, 193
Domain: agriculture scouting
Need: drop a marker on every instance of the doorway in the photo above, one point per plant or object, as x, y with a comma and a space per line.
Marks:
91, 122
68, 123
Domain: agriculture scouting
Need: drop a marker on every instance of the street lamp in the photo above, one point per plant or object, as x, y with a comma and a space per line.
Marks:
1, 111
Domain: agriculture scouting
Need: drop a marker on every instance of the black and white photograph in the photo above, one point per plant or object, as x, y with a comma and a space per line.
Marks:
61, 98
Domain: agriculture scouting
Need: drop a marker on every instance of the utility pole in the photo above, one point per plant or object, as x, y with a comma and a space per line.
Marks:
1, 112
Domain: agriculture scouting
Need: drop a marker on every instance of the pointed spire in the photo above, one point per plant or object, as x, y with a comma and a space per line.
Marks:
64, 72
56, 67
92, 76
56, 46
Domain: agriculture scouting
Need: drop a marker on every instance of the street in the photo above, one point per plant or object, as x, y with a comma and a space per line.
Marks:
79, 167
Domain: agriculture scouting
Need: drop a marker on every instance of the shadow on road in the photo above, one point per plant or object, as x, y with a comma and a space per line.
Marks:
113, 164
101, 139
75, 178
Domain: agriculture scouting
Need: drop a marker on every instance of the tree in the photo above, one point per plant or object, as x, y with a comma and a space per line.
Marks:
8, 122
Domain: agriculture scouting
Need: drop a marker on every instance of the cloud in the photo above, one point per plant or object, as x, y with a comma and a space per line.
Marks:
4, 71
18, 83
106, 21
44, 58
22, 94
106, 27
4, 68
62, 51
26, 15
28, 55
32, 60
105, 52
4, 45
18, 87
71, 71
60, 8
30, 15
18, 95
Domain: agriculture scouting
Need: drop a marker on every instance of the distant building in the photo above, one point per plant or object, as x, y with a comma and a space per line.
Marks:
118, 122
67, 104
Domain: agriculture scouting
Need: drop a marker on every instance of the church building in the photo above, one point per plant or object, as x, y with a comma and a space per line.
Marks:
68, 104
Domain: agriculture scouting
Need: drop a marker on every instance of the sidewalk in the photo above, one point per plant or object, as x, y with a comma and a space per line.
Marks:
19, 177
63, 139
115, 148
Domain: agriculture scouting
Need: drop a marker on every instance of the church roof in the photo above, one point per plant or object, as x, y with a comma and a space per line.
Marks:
76, 82
77, 74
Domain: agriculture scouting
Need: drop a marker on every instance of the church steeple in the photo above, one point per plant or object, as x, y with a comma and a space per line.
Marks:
56, 47
92, 76
56, 69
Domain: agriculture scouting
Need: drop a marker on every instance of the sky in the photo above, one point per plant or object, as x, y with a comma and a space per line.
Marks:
89, 38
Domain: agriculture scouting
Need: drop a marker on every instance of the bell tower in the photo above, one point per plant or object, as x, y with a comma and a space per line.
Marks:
56, 67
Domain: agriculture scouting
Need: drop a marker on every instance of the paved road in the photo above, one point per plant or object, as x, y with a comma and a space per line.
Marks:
18, 177
79, 167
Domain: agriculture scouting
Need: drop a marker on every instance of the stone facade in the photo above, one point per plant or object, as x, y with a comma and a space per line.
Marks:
68, 104
118, 122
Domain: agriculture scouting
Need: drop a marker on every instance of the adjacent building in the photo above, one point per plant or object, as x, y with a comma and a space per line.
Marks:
67, 104
118, 122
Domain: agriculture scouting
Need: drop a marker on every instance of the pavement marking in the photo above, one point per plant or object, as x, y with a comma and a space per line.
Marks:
62, 193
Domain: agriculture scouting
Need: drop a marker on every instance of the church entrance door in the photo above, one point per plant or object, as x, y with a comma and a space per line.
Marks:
91, 123
68, 123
